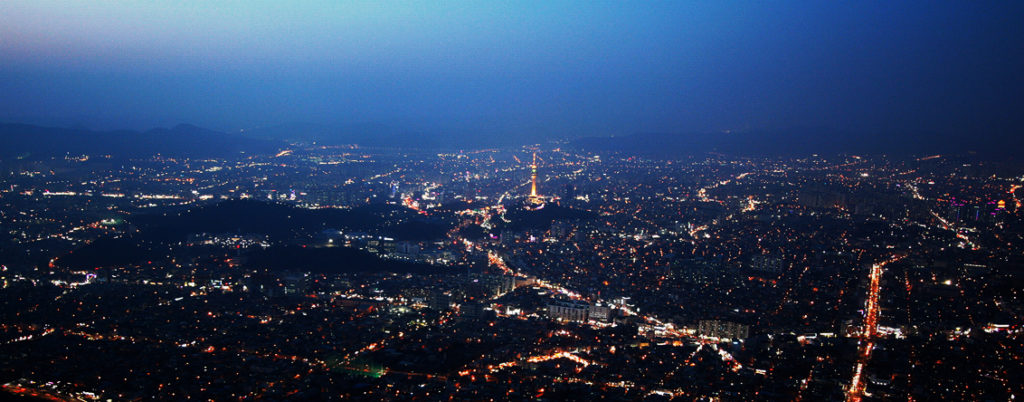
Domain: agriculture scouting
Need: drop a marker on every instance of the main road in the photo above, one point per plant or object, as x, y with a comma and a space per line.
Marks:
869, 331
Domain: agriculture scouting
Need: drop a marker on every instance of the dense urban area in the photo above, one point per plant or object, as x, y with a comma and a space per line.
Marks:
542, 272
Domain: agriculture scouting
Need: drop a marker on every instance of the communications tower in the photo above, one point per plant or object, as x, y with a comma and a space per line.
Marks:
535, 201
533, 177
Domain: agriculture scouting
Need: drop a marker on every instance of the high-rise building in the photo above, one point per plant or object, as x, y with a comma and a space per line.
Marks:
569, 311
600, 312
719, 329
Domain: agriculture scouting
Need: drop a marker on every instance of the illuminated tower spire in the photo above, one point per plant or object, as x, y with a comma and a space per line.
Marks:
533, 178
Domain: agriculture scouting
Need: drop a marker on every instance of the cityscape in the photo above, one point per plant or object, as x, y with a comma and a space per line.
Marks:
531, 272
505, 201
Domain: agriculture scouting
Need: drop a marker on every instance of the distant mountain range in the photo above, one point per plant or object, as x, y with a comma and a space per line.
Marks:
365, 134
382, 135
34, 142
802, 142
793, 141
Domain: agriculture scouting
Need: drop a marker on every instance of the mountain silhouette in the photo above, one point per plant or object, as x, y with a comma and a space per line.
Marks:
802, 141
26, 141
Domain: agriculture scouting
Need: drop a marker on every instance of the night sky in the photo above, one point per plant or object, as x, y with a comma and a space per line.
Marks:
536, 68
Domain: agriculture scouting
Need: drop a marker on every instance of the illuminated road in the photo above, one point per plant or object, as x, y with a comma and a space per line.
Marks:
948, 226
869, 330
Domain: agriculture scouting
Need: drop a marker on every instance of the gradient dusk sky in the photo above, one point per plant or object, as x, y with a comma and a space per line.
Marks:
559, 68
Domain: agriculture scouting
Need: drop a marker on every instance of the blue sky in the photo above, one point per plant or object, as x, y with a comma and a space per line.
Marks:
546, 67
